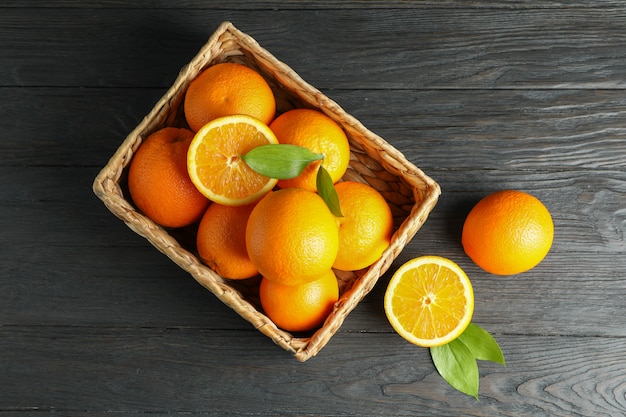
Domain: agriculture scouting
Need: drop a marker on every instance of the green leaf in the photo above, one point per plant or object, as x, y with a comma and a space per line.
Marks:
456, 364
326, 190
281, 161
482, 345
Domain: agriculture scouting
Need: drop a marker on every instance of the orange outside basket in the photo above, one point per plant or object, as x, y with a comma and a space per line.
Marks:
410, 193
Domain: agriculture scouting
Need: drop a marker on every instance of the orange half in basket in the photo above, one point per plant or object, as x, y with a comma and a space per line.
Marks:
215, 164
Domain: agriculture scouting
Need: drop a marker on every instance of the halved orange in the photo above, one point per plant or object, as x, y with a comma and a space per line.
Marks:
429, 301
215, 165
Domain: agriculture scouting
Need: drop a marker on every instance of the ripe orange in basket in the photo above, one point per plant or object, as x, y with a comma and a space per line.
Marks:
508, 232
226, 89
159, 183
292, 237
215, 164
365, 228
298, 308
221, 241
317, 132
429, 301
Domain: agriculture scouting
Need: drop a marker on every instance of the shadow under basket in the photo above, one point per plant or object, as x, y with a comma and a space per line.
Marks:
410, 193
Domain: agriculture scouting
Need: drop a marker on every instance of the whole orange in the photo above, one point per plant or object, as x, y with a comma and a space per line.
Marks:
221, 240
159, 183
365, 228
298, 308
508, 232
319, 133
291, 236
227, 89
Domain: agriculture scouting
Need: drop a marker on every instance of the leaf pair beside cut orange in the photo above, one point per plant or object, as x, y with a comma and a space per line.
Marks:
430, 302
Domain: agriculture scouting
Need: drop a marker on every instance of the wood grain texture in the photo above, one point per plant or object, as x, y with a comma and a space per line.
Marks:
392, 48
307, 4
481, 95
177, 372
543, 130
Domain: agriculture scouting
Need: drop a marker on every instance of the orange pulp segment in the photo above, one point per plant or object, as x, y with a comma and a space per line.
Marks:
429, 301
215, 165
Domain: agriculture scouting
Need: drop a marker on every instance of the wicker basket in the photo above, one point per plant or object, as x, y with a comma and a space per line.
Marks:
410, 193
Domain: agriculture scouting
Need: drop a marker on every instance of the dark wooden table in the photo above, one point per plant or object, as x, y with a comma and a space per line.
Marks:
482, 96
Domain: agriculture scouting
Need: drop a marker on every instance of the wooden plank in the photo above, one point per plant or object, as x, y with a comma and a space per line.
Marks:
69, 126
495, 129
163, 371
547, 130
398, 48
79, 287
308, 4
587, 206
